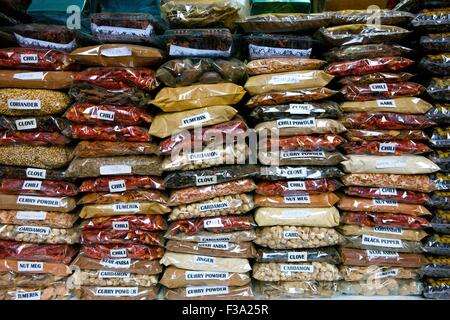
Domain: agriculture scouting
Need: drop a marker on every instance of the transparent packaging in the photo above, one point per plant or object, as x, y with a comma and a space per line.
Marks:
314, 271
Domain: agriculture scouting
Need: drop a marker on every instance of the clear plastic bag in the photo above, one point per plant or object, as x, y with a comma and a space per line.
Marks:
116, 133
122, 208
133, 251
379, 148
390, 220
326, 217
33, 138
437, 244
366, 51
90, 149
210, 293
31, 173
374, 273
437, 288
439, 199
439, 89
305, 200
52, 80
406, 105
298, 157
382, 287
432, 20
296, 289
369, 242
439, 267
131, 223
28, 280
214, 249
441, 181
376, 77
441, 221
206, 236
314, 271
291, 126
57, 291
35, 234
327, 254
287, 97
368, 66
438, 42
399, 195
364, 135
40, 124
110, 279
382, 231
115, 183
34, 59
436, 65
119, 236
385, 120
358, 257
276, 65
298, 187
381, 91
439, 113
439, 137
283, 173
117, 293
38, 218
385, 16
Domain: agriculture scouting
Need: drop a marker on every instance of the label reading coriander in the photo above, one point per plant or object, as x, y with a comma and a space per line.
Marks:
205, 180
381, 242
36, 173
195, 120
388, 230
26, 124
32, 185
20, 104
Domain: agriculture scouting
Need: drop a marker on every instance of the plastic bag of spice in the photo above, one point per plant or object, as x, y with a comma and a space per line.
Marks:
89, 149
52, 80
358, 257
297, 187
32, 173
438, 267
131, 223
326, 254
371, 273
439, 113
408, 105
385, 16
33, 138
34, 59
367, 135
393, 147
439, 137
117, 293
55, 291
437, 65
121, 184
133, 251
366, 51
368, 66
385, 120
310, 216
437, 244
439, 199
296, 289
384, 243
376, 77
28, 280
108, 133
432, 20
54, 253
287, 97
305, 172
436, 288
381, 287
306, 126
315, 271
380, 91
439, 88
327, 142
389, 232
39, 218
41, 157
120, 236
122, 208
380, 219
435, 42
50, 268
210, 293
206, 236
315, 200
442, 159
117, 55
214, 249
399, 195
300, 158
284, 23
441, 221
276, 65
40, 124
36, 234
110, 278
36, 187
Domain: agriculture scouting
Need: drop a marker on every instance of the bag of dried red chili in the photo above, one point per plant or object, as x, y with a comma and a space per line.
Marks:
101, 251
294, 187
42, 123
121, 183
439, 88
376, 91
381, 148
367, 135
347, 53
122, 236
437, 65
34, 59
376, 77
375, 219
440, 137
96, 149
110, 133
327, 142
399, 195
33, 138
89, 113
131, 222
385, 120
366, 66
36, 187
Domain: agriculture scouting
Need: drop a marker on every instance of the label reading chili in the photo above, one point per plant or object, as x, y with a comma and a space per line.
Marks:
387, 191
381, 242
204, 260
290, 78
18, 104
387, 147
206, 291
386, 104
120, 225
290, 235
378, 87
104, 115
213, 223
40, 201
372, 254
295, 214
205, 180
116, 292
297, 256
117, 186
388, 163
45, 231
292, 172
105, 274
127, 207
206, 275
29, 58
302, 154
31, 215
297, 199
30, 295
36, 173
385, 202
116, 52
118, 253
116, 263
296, 123
115, 169
204, 155
214, 245
29, 76
386, 274
215, 206
388, 230
297, 268
195, 120
32, 185
27, 266
26, 124
296, 185
300, 108
216, 239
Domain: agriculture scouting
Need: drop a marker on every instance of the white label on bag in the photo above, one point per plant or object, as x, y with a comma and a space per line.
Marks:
388, 230
33, 230
36, 173
259, 52
295, 214
297, 199
104, 115
378, 87
387, 147
40, 201
216, 239
195, 120
120, 225
297, 256
32, 185
30, 43
26, 124
204, 260
300, 108
381, 242
297, 268
387, 191
29, 58
30, 295
381, 254
116, 291
215, 206
206, 275
31, 215
175, 50
385, 202
213, 223
296, 185
117, 186
115, 169
292, 172
214, 245
296, 123
127, 207
106, 274
289, 78
204, 155
28, 266
386, 104
301, 154
20, 104
118, 253
206, 291
388, 163
205, 180
122, 32
386, 274
290, 235
29, 76
116, 263
116, 52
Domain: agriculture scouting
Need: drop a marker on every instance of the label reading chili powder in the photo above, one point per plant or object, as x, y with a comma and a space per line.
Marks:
378, 87
300, 108
17, 104
44, 231
206, 275
115, 169
215, 206
204, 260
120, 225
381, 242
387, 191
26, 124
296, 185
26, 266
30, 295
385, 202
386, 104
32, 185
31, 215
297, 199
214, 245
381, 254
206, 291
298, 256
296, 123
40, 201
213, 223
387, 147
117, 186
290, 235
116, 292
36, 173
297, 268
195, 120
302, 154
127, 207
29, 58
388, 230
205, 180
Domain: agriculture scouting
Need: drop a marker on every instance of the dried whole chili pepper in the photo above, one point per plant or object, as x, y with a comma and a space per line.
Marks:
376, 91
110, 133
94, 114
38, 187
132, 222
132, 251
400, 195
125, 196
385, 120
285, 97
102, 184
118, 78
34, 59
33, 138
327, 142
122, 237
367, 135
294, 187
366, 66
381, 148
395, 220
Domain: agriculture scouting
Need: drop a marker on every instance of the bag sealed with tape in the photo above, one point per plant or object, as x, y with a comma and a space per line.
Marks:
366, 51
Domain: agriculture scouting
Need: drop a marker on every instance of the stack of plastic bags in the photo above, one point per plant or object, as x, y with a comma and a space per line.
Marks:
38, 229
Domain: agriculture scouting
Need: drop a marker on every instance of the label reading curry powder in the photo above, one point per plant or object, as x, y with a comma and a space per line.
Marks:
31, 215
302, 154
40, 201
29, 76
116, 52
206, 291
116, 291
206, 275
290, 78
